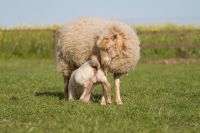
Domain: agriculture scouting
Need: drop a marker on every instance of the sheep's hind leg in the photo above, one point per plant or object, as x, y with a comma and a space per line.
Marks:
66, 81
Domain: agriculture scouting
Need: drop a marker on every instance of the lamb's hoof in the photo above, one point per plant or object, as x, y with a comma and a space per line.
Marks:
103, 101
83, 100
119, 102
103, 104
109, 102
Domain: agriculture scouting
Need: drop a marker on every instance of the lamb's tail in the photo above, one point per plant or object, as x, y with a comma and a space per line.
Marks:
95, 62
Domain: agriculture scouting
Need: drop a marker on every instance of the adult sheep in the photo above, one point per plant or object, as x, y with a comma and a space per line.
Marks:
85, 37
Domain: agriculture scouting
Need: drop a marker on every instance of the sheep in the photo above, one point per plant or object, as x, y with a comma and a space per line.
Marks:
115, 44
84, 77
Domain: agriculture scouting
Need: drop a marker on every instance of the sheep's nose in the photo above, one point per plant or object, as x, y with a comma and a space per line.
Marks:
106, 61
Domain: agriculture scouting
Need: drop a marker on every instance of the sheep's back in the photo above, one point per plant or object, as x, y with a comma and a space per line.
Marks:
78, 40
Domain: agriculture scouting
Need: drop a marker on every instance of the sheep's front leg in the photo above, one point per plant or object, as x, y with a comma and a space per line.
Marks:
117, 89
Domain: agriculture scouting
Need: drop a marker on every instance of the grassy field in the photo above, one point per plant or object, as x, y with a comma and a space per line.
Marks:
157, 98
26, 43
38, 42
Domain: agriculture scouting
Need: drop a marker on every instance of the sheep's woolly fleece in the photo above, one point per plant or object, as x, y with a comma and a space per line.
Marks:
77, 42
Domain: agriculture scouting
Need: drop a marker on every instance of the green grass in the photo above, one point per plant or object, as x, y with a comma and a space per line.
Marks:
165, 27
26, 44
157, 98
37, 42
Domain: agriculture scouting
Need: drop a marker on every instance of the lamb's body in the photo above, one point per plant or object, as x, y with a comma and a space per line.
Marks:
81, 79
83, 38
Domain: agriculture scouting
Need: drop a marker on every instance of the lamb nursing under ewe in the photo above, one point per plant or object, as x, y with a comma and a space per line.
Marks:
114, 44
83, 79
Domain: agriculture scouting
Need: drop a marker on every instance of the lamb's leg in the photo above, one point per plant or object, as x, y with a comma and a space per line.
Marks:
66, 81
86, 92
103, 100
106, 98
107, 92
87, 98
117, 89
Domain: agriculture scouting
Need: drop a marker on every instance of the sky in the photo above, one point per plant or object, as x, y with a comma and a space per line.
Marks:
142, 12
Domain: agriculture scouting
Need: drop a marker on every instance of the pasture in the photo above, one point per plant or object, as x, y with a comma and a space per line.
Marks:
157, 98
157, 42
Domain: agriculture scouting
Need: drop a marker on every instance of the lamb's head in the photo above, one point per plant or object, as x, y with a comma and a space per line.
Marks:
110, 43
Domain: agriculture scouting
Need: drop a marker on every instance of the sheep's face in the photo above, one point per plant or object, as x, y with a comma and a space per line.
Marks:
111, 44
105, 58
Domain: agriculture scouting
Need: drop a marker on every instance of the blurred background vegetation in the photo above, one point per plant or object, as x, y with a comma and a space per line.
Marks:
157, 42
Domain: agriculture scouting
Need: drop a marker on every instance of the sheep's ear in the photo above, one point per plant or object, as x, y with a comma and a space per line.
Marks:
119, 38
116, 32
114, 36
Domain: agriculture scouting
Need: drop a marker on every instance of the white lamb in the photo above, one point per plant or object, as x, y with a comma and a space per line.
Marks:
82, 80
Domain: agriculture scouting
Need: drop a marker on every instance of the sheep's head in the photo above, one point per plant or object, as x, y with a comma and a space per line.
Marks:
111, 44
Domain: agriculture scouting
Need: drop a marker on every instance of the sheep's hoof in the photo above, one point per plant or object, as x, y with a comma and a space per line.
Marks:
119, 102
70, 99
66, 98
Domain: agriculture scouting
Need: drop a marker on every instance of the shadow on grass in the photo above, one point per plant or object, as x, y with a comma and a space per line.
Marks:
60, 95
95, 97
